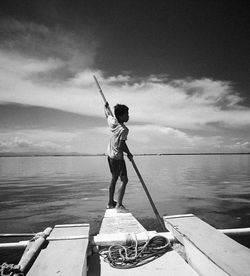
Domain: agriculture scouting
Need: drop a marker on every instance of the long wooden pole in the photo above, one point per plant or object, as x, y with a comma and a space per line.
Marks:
17, 235
31, 251
163, 228
16, 245
103, 240
103, 97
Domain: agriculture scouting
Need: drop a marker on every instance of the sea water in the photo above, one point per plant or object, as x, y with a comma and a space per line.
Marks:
37, 192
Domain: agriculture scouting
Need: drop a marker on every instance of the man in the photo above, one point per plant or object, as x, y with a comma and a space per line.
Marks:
116, 147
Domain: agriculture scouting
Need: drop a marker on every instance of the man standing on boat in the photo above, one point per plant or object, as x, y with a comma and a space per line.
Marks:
116, 147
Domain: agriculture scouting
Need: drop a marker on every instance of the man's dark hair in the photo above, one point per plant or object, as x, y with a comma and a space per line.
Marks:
120, 109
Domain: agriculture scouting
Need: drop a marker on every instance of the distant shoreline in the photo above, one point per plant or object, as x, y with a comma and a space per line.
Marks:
102, 154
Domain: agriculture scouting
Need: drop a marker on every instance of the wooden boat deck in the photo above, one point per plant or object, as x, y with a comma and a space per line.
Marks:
170, 264
208, 250
114, 223
65, 254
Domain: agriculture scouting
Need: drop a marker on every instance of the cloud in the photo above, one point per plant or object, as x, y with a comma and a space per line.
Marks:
142, 139
181, 104
29, 145
59, 53
238, 146
154, 138
50, 67
87, 140
29, 140
187, 103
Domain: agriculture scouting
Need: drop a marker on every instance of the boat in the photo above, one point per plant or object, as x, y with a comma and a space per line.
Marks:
188, 247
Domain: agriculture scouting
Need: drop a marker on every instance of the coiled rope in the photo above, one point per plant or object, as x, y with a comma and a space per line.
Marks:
129, 256
10, 269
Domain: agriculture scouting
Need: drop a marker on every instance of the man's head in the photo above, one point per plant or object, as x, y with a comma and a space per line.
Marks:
121, 113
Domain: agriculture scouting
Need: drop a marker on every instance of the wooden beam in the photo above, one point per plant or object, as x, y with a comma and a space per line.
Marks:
209, 251
66, 253
16, 245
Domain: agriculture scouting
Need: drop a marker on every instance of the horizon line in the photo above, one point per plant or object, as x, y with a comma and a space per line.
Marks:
5, 154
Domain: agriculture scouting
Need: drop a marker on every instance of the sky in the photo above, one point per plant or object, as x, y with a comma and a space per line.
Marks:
182, 68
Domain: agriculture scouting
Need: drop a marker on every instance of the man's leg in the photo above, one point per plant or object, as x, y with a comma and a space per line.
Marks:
124, 180
112, 190
121, 193
114, 172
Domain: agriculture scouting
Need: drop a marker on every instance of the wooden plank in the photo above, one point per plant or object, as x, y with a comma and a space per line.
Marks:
170, 264
209, 251
63, 256
114, 222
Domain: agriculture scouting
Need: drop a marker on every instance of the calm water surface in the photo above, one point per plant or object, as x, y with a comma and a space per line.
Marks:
37, 192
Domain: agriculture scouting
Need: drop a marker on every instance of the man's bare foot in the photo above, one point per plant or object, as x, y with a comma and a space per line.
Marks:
121, 209
111, 205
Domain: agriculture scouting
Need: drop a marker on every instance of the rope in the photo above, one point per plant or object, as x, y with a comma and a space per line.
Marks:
39, 235
129, 256
10, 270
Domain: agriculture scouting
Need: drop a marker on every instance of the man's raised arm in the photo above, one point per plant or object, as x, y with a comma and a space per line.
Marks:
107, 110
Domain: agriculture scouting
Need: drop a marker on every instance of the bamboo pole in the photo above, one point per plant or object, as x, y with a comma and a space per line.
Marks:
163, 228
236, 232
122, 238
15, 245
17, 235
102, 239
31, 251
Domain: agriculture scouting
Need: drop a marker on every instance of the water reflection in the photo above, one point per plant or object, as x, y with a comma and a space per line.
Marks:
43, 191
